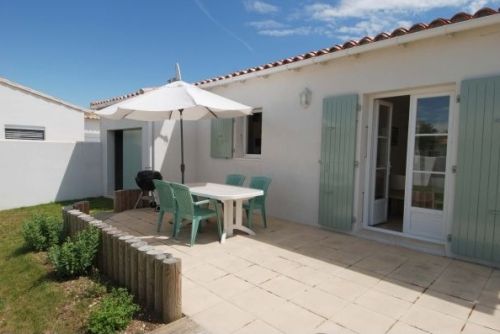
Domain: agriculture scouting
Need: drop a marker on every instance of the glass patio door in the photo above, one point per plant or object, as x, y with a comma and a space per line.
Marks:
382, 170
427, 170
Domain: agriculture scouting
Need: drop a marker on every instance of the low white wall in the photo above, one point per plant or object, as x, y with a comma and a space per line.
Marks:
40, 172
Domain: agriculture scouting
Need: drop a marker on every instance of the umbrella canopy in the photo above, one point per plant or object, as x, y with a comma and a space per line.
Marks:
167, 101
176, 100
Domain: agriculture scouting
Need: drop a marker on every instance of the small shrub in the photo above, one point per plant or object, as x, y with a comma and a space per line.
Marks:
113, 314
42, 232
76, 255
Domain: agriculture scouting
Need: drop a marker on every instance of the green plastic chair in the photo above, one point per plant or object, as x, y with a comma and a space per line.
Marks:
194, 211
166, 199
235, 180
257, 203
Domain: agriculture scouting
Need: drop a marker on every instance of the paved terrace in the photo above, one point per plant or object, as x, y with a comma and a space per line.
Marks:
292, 278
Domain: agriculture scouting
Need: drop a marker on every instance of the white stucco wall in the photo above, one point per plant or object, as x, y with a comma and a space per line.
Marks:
291, 137
62, 167
167, 149
92, 130
18, 107
35, 172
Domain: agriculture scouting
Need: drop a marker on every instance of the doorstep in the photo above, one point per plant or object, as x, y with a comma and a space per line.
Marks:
429, 247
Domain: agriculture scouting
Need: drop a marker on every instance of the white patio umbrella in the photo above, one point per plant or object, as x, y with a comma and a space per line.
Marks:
176, 100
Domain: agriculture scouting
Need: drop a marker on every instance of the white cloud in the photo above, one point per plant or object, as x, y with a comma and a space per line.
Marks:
266, 24
299, 31
476, 5
260, 7
372, 26
357, 18
353, 19
364, 8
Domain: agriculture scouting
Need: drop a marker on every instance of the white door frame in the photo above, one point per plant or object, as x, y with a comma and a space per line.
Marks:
375, 139
452, 139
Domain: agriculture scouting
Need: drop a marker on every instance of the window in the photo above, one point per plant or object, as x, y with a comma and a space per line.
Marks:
254, 133
248, 135
24, 132
429, 158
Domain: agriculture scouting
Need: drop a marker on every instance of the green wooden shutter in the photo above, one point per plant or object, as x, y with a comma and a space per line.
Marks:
221, 140
476, 216
338, 146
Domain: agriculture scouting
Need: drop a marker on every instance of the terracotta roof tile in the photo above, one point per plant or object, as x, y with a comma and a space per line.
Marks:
334, 48
365, 40
350, 44
399, 32
310, 54
381, 37
485, 12
439, 22
459, 17
418, 27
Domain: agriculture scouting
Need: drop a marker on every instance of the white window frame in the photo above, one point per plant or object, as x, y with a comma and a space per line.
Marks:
241, 152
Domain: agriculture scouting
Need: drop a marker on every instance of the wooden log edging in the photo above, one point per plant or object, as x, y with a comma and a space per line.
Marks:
151, 275
126, 199
83, 206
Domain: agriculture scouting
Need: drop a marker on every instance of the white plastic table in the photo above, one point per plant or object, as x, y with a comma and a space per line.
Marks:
228, 195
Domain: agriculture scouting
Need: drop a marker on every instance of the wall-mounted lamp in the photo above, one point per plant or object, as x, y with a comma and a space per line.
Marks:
305, 98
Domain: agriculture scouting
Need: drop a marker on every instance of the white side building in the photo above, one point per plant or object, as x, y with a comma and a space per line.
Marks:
45, 156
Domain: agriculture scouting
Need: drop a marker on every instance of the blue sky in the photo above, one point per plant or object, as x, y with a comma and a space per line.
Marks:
86, 50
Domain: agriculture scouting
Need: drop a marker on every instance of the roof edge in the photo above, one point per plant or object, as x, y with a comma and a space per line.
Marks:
419, 31
440, 26
14, 85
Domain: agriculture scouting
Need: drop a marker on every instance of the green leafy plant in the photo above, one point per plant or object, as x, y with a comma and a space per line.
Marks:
76, 255
42, 231
113, 314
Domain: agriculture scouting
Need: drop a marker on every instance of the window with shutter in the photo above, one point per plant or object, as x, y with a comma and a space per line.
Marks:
221, 138
248, 135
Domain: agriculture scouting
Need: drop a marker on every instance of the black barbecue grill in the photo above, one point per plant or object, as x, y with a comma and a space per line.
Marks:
144, 180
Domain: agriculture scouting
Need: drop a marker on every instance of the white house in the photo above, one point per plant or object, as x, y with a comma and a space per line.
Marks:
45, 155
394, 138
92, 127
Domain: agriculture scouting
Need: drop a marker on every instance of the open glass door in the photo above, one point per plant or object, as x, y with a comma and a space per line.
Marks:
426, 181
132, 157
382, 170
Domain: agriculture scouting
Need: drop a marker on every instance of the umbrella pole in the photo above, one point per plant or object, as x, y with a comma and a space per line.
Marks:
183, 167
153, 145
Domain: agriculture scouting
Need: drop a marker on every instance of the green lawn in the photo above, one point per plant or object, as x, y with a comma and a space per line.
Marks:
31, 299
